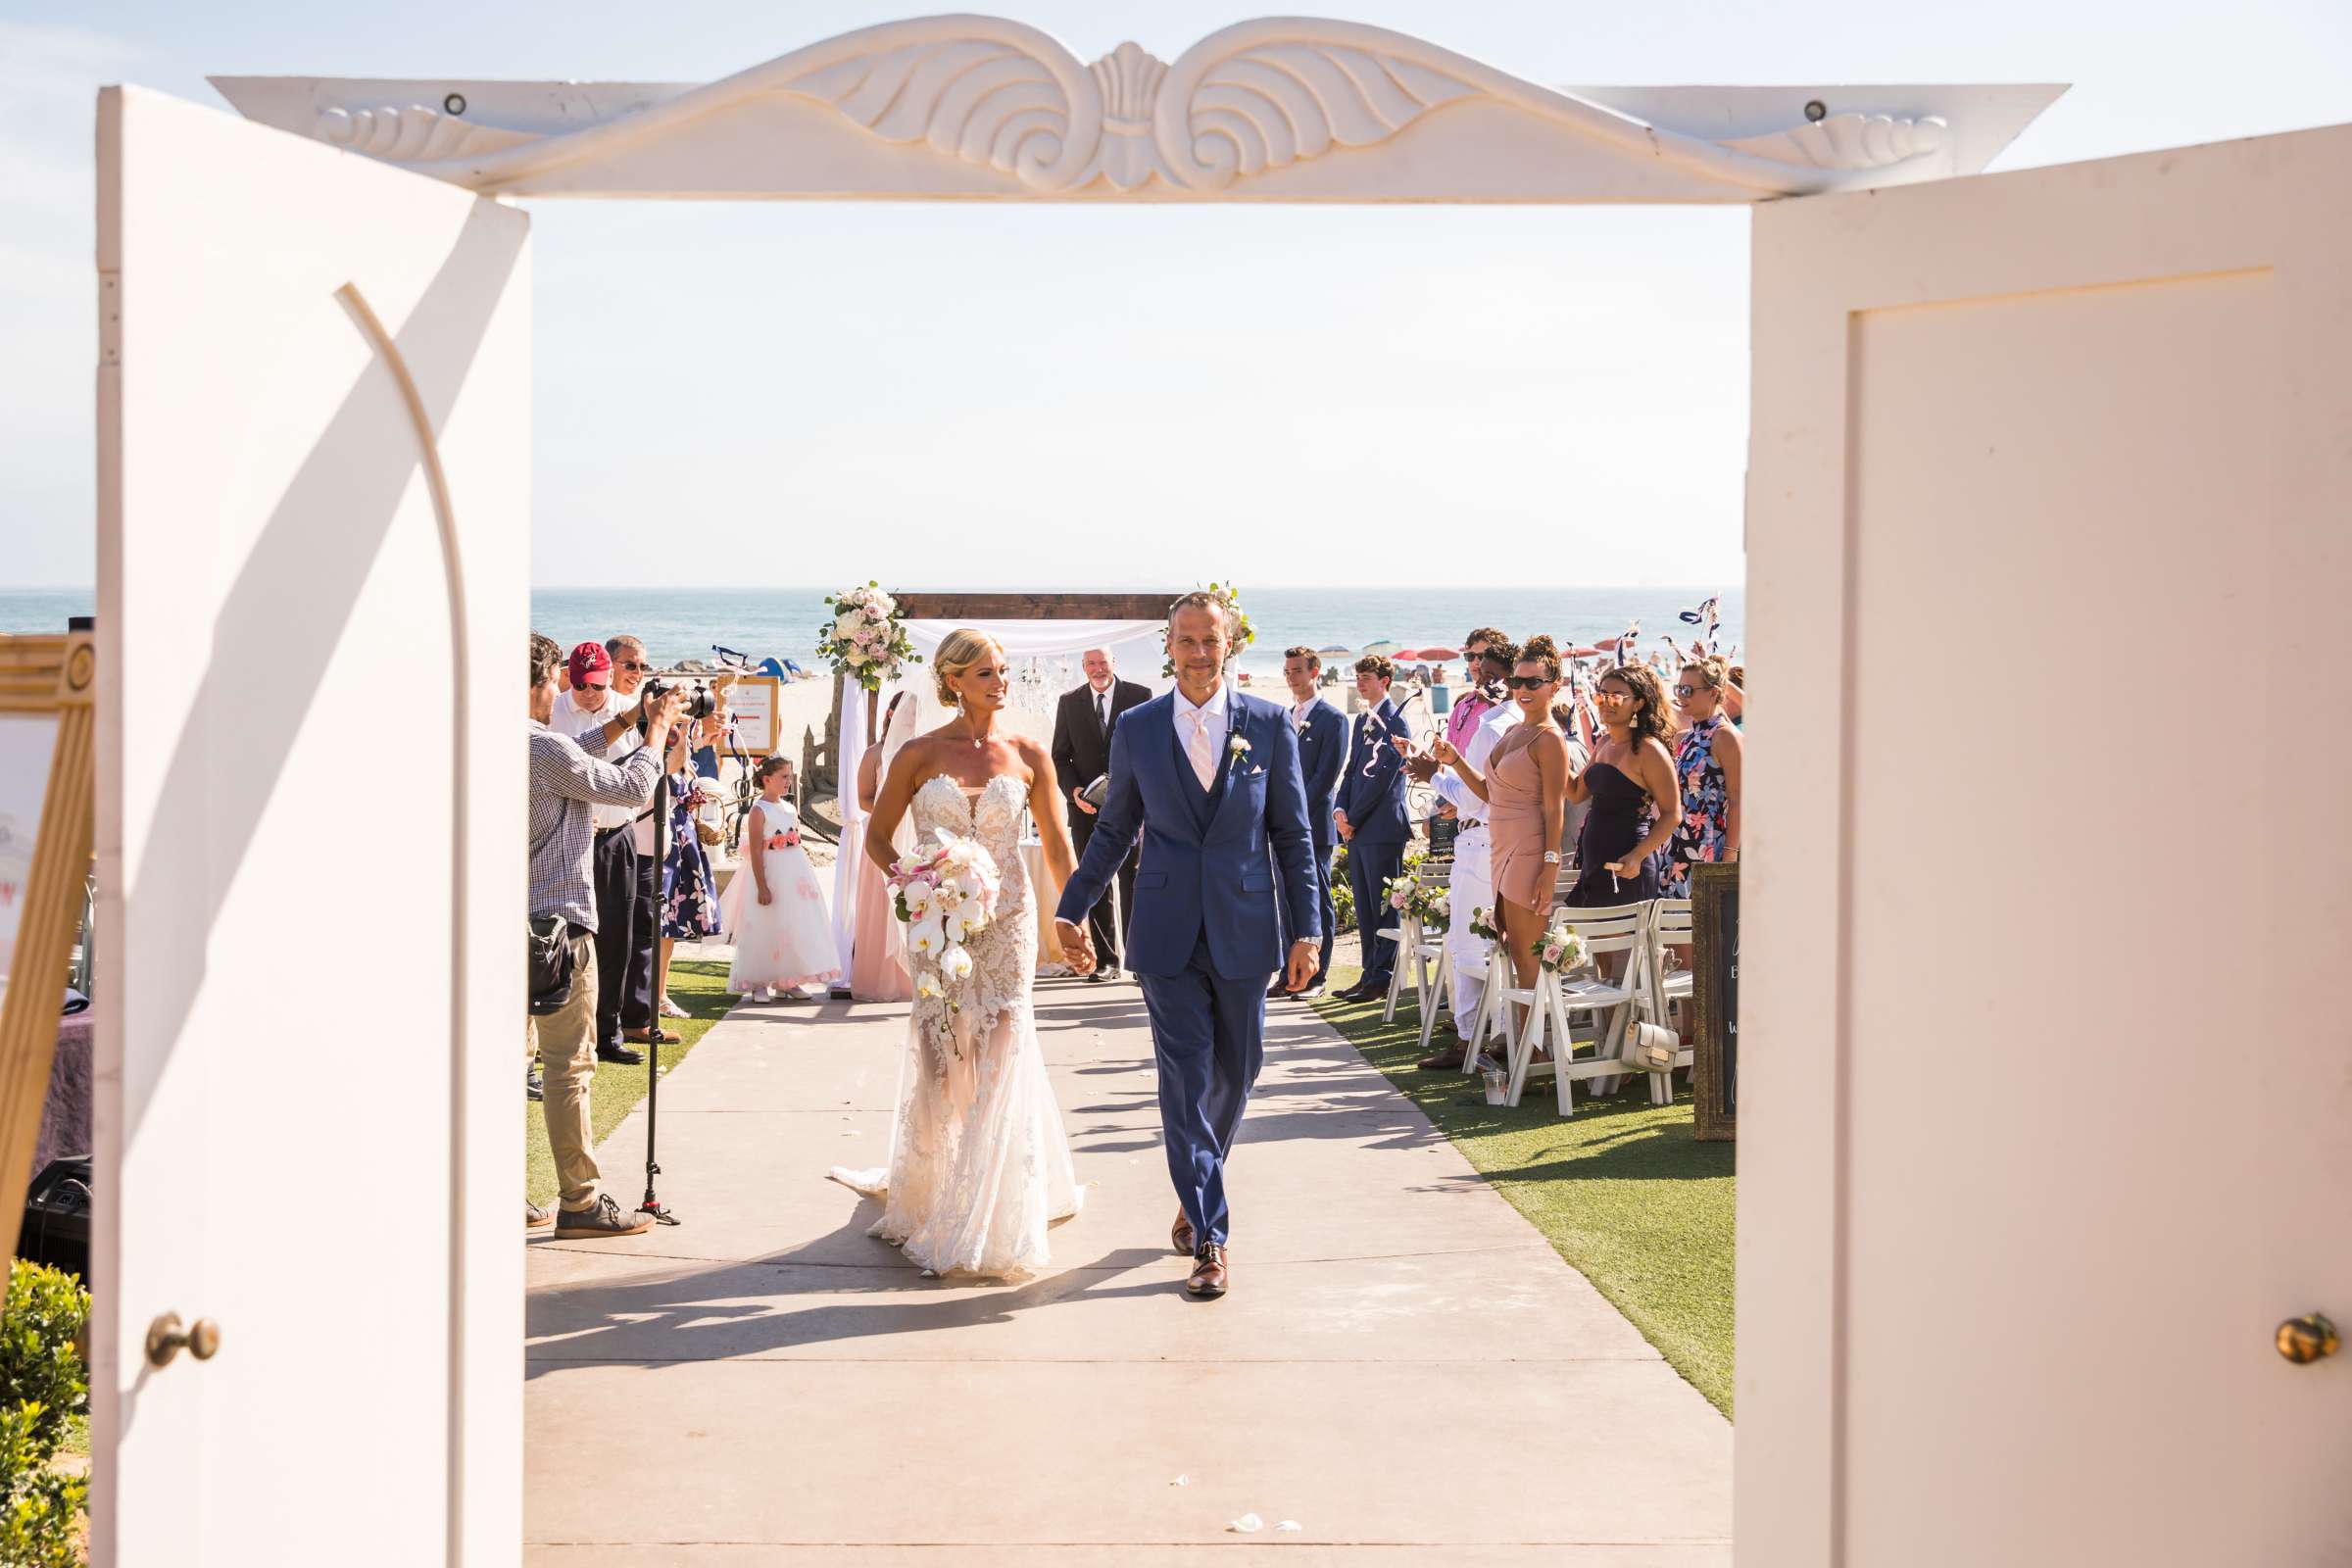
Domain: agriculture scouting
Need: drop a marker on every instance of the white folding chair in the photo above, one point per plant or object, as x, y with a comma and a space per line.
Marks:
1498, 968
1555, 999
1413, 948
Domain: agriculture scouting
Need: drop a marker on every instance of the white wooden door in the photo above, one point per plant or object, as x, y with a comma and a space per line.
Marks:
2046, 1119
311, 1011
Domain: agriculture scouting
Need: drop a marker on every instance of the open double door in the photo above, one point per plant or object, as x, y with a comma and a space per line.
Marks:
2047, 1115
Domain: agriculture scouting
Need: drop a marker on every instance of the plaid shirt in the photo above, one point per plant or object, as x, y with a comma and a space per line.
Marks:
564, 782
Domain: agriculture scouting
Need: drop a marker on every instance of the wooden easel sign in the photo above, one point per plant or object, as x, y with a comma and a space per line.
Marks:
1715, 998
48, 783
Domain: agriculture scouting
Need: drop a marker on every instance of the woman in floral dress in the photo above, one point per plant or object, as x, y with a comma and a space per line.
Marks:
689, 888
1707, 764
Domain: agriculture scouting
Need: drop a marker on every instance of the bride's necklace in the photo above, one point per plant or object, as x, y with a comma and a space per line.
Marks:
978, 741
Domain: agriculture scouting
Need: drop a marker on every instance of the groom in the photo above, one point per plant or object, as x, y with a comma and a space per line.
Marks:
1209, 778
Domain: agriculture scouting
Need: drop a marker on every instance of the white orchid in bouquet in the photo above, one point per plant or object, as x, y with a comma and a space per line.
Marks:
946, 898
866, 640
1561, 948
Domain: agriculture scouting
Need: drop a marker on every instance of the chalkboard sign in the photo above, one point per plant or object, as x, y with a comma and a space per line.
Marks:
1715, 997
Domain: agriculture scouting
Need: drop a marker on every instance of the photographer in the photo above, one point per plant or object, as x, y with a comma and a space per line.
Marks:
567, 785
594, 714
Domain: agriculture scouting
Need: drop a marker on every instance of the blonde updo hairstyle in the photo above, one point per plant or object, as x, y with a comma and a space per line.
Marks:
962, 652
1712, 670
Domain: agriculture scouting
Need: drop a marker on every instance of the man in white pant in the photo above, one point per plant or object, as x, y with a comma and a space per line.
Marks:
1478, 720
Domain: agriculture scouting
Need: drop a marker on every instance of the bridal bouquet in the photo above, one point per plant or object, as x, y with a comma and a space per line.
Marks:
866, 640
946, 898
1561, 948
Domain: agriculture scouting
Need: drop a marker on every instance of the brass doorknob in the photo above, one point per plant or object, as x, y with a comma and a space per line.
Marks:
2308, 1339
166, 1338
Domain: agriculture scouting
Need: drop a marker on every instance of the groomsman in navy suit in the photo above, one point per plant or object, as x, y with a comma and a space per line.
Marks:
1322, 756
1371, 820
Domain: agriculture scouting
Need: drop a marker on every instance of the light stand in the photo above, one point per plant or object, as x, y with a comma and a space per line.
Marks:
653, 1046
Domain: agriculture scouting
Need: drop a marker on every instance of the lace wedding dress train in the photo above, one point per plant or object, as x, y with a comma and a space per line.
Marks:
979, 1164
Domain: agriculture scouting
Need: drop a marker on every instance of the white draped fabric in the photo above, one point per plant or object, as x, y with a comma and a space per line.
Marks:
1045, 657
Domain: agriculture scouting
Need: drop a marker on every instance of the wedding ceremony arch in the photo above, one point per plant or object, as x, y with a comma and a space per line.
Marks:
314, 389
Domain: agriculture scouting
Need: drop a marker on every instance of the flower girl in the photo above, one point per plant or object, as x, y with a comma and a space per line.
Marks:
774, 909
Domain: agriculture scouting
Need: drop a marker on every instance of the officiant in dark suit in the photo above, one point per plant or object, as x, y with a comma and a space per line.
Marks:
1082, 726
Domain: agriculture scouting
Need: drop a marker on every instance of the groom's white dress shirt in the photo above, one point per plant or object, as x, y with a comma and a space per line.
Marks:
1202, 728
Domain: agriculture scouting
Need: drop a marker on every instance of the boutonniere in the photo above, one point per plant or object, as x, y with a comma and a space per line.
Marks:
1237, 747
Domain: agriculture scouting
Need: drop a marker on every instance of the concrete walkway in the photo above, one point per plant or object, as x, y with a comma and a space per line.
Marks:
1404, 1367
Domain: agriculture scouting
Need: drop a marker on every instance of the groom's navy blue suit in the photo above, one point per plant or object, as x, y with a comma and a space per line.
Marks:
1205, 937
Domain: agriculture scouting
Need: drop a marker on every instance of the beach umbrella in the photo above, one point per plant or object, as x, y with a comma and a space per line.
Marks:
1335, 651
1440, 654
1385, 648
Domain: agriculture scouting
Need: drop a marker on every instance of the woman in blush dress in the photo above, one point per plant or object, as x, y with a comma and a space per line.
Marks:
1526, 790
775, 909
877, 946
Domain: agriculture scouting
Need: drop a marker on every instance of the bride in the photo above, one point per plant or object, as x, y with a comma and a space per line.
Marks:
979, 1164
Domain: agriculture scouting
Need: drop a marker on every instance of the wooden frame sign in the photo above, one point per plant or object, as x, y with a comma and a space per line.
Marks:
1715, 998
752, 701
48, 790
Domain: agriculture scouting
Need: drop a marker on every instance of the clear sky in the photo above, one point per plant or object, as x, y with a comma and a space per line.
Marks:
1074, 396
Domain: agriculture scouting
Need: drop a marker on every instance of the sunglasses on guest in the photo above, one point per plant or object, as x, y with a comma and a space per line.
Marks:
630, 664
1525, 683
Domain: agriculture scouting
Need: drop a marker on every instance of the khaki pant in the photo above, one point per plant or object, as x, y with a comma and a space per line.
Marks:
567, 1042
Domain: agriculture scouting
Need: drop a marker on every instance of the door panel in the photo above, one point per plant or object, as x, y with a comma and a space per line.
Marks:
311, 1013
2045, 1124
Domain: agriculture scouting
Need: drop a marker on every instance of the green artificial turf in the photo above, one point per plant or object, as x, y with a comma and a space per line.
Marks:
1621, 1189
701, 989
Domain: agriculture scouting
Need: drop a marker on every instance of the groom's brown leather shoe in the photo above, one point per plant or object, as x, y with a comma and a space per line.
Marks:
1208, 1278
1180, 1235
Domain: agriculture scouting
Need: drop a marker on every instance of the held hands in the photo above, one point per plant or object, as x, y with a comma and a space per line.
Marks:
1422, 769
1077, 948
1339, 820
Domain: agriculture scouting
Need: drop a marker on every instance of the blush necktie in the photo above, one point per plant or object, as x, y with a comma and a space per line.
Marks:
1205, 764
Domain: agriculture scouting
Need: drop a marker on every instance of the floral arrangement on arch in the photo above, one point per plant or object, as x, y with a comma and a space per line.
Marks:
1237, 619
946, 899
1415, 899
866, 640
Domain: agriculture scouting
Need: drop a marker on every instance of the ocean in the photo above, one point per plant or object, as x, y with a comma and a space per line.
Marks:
684, 622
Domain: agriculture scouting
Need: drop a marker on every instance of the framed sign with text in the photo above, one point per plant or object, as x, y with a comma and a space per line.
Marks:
1715, 997
751, 699
48, 786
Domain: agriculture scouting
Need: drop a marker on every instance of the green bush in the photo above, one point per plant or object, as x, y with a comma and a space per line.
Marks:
42, 1383
1342, 896
40, 1508
45, 1315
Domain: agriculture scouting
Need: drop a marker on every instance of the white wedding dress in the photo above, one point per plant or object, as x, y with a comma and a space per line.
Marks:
979, 1163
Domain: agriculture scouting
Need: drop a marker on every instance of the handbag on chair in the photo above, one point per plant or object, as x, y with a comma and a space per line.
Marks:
1648, 1047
